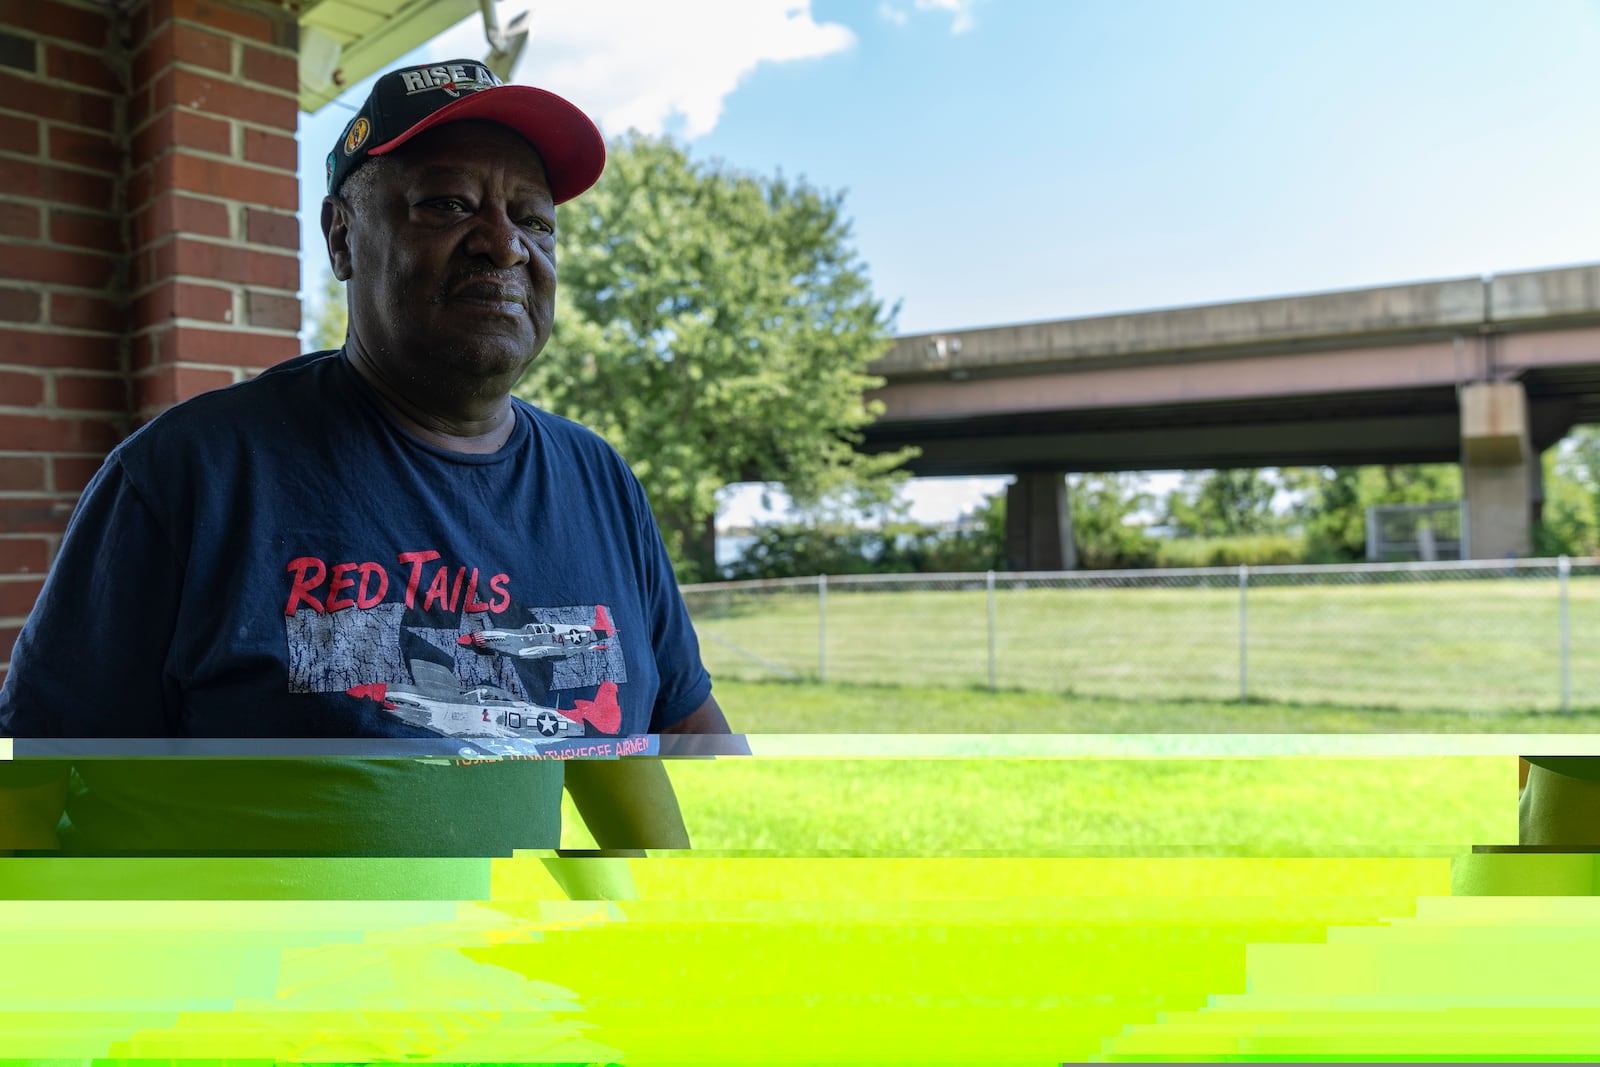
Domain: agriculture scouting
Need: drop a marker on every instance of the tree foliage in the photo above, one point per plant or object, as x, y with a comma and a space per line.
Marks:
833, 540
1224, 503
1105, 508
1571, 522
715, 327
1334, 500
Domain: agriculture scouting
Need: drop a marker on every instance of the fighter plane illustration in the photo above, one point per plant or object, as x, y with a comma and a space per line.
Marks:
543, 640
438, 702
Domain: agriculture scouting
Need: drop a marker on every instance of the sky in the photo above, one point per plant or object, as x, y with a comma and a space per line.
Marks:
1019, 160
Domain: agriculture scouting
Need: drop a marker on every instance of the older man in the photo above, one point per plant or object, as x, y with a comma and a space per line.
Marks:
377, 542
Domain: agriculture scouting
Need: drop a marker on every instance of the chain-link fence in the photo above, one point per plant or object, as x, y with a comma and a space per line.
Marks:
1472, 636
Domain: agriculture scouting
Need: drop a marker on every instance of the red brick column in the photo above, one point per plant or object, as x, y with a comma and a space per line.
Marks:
212, 197
63, 392
148, 236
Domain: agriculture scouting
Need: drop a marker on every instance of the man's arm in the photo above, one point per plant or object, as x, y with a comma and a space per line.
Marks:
29, 814
1559, 810
706, 719
629, 803
629, 806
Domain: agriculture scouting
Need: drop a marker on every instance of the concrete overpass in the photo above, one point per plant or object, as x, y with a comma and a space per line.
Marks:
1487, 372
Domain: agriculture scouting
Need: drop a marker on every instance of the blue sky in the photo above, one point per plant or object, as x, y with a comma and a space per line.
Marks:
1007, 161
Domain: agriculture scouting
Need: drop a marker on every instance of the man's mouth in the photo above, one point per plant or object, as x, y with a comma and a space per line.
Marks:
493, 293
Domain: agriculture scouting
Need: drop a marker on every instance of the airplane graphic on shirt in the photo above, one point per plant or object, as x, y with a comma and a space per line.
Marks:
437, 702
543, 640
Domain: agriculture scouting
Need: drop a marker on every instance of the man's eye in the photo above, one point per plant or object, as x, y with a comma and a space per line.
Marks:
536, 223
448, 203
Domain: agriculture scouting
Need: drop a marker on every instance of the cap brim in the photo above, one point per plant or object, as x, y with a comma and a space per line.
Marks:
571, 147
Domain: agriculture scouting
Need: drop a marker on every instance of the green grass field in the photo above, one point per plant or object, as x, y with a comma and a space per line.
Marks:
1286, 806
1260, 807
809, 708
1292, 806
1482, 647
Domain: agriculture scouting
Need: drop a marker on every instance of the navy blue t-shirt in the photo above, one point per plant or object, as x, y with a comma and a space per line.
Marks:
279, 559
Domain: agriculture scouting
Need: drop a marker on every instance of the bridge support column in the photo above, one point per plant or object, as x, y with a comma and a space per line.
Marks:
1500, 477
1039, 524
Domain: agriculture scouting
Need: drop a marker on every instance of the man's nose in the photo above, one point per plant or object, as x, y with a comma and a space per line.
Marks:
497, 238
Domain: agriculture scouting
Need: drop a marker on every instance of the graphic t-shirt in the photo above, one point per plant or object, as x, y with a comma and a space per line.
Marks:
281, 560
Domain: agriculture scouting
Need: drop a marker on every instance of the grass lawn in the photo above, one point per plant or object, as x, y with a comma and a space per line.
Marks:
1287, 806
1475, 646
806, 707
1292, 806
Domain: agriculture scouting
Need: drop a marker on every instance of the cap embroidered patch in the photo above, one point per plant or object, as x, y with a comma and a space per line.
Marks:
357, 135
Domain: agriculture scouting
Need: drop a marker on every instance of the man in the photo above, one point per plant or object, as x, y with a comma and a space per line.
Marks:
376, 542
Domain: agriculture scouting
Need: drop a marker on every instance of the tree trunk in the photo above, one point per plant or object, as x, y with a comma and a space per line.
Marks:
697, 539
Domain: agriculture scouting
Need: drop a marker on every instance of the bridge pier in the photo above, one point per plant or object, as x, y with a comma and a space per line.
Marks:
1039, 523
1502, 484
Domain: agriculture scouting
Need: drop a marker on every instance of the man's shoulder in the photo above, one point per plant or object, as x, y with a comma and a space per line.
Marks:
280, 390
565, 432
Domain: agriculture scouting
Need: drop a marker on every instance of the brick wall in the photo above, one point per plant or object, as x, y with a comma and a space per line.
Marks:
148, 236
63, 397
212, 198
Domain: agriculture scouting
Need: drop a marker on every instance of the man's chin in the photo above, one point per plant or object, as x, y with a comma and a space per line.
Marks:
494, 365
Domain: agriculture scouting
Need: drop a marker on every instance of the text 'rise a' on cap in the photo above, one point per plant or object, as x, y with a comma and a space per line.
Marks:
406, 102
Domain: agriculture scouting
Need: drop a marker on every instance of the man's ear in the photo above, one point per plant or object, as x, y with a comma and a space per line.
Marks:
336, 218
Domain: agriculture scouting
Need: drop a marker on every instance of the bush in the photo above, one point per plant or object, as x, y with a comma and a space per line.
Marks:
1267, 550
797, 549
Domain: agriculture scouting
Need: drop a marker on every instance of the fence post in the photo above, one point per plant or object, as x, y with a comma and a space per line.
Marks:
1244, 633
989, 585
822, 627
1564, 573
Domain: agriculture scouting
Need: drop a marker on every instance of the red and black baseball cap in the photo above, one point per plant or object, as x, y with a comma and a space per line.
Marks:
406, 102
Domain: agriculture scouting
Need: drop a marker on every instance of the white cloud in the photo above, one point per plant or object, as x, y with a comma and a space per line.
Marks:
646, 64
960, 12
889, 13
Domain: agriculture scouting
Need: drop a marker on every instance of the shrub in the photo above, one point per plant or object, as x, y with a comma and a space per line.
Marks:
1266, 550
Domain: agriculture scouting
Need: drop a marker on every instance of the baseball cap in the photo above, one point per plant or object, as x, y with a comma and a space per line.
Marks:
406, 102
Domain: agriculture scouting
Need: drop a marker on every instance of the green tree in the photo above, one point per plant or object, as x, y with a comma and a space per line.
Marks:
838, 534
1105, 508
715, 327
1330, 512
1571, 521
978, 543
832, 539
1334, 501
1224, 503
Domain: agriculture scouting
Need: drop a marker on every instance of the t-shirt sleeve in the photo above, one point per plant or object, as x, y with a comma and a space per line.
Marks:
1585, 767
685, 683
91, 659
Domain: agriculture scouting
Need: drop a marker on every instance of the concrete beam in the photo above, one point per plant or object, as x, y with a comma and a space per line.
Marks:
1359, 316
1446, 306
1422, 438
1573, 292
1383, 369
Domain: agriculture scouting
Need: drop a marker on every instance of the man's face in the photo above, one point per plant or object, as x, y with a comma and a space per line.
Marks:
452, 271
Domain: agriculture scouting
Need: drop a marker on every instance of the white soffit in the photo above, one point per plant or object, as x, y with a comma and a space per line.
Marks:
343, 41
